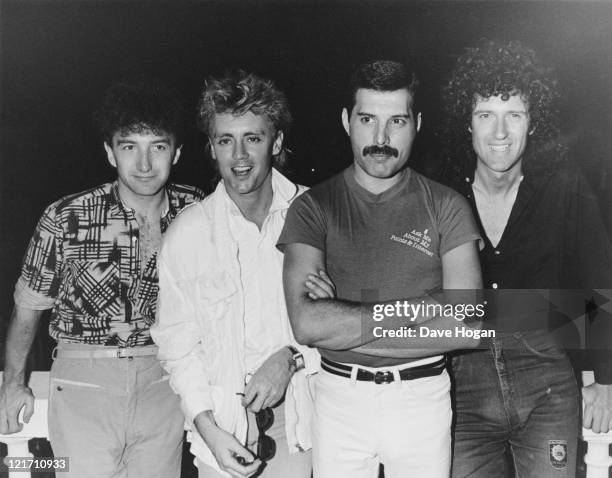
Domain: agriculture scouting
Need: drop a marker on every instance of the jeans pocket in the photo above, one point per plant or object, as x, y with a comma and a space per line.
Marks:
542, 346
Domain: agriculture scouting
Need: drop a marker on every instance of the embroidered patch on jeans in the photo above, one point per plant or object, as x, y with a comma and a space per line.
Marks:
557, 453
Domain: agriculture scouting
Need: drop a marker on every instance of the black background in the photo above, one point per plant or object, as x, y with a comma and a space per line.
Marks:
59, 56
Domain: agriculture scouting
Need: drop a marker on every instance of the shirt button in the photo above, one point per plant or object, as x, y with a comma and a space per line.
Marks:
497, 252
494, 285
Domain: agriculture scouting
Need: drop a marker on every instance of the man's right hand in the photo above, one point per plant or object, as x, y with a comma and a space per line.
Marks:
14, 397
226, 449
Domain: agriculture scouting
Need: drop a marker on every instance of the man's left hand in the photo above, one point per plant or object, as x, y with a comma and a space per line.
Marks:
597, 407
269, 382
320, 286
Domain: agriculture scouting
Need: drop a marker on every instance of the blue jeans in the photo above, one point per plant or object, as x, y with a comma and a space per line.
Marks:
517, 398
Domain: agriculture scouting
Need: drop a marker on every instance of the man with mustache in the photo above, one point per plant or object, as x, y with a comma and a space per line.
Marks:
381, 232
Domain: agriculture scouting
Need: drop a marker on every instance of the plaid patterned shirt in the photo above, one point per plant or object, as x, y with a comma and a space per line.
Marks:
84, 262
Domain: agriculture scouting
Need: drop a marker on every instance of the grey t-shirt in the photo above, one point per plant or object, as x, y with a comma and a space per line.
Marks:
380, 247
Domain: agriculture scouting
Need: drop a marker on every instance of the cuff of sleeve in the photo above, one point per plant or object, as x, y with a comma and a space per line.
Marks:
31, 299
196, 403
459, 242
603, 373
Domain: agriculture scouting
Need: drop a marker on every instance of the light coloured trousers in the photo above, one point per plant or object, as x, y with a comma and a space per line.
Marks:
404, 425
283, 465
114, 418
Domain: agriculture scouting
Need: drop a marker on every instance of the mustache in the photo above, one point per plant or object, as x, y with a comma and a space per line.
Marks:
384, 150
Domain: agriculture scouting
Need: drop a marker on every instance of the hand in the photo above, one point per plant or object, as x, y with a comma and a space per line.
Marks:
231, 456
13, 397
320, 286
597, 407
269, 382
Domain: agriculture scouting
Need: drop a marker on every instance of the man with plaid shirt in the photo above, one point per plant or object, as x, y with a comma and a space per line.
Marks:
92, 260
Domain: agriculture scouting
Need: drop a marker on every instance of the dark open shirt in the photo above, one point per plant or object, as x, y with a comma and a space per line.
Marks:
83, 261
552, 257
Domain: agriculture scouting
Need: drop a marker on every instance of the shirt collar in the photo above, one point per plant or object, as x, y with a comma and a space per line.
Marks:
115, 201
283, 192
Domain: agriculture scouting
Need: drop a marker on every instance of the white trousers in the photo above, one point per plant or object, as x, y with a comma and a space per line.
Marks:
405, 425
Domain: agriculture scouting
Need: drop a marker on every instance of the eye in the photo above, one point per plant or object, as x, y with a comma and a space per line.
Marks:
127, 147
484, 115
254, 139
223, 141
160, 147
516, 116
366, 119
399, 121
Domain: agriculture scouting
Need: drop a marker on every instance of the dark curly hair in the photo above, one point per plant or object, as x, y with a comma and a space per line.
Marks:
240, 92
493, 68
140, 106
382, 75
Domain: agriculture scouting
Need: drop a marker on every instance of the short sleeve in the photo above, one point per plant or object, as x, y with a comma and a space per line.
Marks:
456, 223
40, 277
305, 224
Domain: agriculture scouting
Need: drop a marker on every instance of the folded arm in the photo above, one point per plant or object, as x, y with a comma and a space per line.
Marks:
341, 325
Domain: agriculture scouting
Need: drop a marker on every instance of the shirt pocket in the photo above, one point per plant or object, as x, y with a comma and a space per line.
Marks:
96, 286
215, 294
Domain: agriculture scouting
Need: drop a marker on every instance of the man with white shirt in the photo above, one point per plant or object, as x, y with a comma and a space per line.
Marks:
223, 331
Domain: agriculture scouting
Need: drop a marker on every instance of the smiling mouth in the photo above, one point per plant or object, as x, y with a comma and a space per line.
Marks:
500, 148
242, 170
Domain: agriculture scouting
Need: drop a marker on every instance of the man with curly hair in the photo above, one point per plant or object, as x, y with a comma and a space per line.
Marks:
223, 331
92, 260
544, 243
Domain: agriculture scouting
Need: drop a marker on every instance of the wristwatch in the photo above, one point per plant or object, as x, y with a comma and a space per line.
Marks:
296, 362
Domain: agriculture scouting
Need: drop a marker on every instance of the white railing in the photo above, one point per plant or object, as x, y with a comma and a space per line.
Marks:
597, 459
17, 443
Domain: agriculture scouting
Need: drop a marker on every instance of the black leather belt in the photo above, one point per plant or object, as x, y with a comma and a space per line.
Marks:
384, 376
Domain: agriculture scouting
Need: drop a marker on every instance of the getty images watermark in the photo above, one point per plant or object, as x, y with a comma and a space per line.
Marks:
423, 311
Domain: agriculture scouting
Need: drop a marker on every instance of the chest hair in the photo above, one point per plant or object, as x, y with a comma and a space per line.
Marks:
150, 237
494, 212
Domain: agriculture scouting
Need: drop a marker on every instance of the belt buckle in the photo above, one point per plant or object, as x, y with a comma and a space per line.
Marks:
122, 353
383, 377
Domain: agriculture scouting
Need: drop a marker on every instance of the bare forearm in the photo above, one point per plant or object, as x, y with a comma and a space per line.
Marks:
342, 325
205, 422
21, 333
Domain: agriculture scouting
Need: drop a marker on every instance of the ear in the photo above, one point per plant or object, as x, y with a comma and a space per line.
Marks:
212, 149
418, 122
177, 155
345, 120
470, 129
110, 155
277, 147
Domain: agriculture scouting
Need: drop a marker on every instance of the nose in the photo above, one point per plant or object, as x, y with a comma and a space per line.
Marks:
501, 129
144, 161
382, 136
240, 151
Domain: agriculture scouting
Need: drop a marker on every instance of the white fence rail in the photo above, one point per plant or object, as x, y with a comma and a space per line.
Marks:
597, 459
